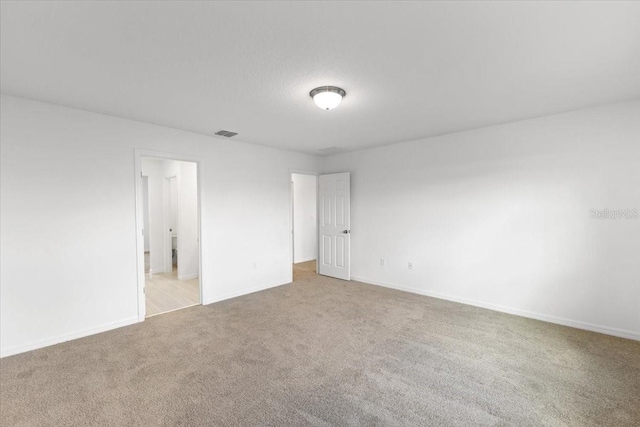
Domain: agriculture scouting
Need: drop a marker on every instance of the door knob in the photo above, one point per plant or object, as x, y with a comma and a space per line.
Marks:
346, 231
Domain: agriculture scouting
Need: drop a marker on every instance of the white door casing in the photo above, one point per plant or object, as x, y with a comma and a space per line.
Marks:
334, 231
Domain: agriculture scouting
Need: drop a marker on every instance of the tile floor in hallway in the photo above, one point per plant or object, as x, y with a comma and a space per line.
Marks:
164, 292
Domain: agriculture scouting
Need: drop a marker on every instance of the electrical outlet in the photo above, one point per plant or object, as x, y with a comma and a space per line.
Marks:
383, 263
410, 265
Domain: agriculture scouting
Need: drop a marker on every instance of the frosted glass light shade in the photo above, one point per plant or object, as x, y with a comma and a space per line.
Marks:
327, 97
327, 100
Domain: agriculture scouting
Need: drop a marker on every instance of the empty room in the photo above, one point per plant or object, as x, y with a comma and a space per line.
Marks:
319, 213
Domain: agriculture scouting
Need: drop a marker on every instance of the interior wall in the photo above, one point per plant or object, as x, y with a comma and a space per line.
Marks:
170, 184
503, 217
145, 212
188, 252
153, 170
305, 232
68, 222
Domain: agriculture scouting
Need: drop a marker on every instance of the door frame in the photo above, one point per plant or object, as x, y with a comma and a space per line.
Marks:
300, 172
140, 282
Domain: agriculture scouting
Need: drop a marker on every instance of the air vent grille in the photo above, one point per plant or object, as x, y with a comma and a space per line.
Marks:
226, 133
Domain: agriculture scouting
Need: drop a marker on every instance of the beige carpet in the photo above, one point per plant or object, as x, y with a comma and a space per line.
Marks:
304, 270
326, 352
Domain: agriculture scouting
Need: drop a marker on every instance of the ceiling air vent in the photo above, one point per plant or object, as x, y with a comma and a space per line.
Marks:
330, 150
226, 133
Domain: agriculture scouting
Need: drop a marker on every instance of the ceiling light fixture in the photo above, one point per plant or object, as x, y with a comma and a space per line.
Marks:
327, 97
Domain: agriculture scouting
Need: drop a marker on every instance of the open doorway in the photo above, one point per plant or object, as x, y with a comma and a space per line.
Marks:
304, 228
170, 221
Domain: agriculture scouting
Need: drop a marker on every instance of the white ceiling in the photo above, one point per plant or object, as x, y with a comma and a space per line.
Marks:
411, 70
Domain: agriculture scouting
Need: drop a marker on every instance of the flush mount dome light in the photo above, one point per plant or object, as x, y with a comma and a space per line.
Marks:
327, 97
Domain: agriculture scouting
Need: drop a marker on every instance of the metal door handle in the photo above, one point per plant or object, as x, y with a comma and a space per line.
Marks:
346, 231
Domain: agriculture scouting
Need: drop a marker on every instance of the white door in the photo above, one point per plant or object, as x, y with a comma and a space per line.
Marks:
335, 226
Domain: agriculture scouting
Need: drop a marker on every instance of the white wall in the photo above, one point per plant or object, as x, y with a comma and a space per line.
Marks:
68, 226
188, 254
145, 212
305, 232
153, 170
500, 217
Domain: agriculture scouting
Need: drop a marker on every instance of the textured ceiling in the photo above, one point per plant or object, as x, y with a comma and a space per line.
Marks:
411, 70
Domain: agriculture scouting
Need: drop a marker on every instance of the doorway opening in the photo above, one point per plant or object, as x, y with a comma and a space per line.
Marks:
170, 226
304, 225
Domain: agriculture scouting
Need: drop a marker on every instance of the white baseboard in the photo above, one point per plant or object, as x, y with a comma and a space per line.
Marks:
66, 337
622, 333
188, 276
231, 295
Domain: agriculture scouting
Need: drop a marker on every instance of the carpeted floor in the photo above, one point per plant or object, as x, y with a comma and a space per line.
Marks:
326, 352
304, 270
